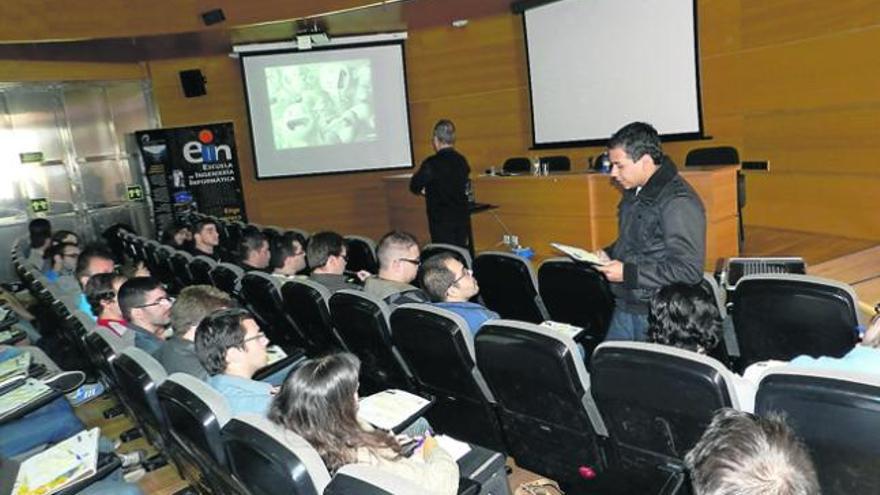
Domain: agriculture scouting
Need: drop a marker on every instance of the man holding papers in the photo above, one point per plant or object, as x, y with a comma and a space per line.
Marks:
661, 229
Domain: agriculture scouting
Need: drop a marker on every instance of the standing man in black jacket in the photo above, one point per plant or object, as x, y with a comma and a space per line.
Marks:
443, 179
661, 229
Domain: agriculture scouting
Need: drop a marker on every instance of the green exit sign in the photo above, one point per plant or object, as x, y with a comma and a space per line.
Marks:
39, 205
135, 193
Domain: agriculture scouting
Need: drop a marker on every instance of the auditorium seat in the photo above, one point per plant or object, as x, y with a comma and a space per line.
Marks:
656, 401
272, 233
227, 277
460, 253
361, 253
164, 270
517, 165
261, 295
306, 303
269, 459
836, 414
556, 163
579, 295
508, 286
196, 413
150, 247
180, 262
362, 323
440, 352
140, 375
538, 378
200, 270
782, 316
234, 232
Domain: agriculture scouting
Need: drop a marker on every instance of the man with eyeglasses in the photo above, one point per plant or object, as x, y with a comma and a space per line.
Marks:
61, 261
327, 256
451, 285
147, 311
398, 254
231, 347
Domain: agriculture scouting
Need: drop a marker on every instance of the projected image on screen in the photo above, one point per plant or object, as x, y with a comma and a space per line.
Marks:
321, 104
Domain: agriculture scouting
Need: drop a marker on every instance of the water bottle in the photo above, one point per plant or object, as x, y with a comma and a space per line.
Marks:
536, 166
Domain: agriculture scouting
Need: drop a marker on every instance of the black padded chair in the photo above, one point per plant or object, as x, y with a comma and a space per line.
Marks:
140, 376
720, 156
460, 253
362, 322
106, 347
361, 252
306, 303
517, 165
272, 234
180, 262
234, 232
270, 459
836, 414
196, 413
538, 378
440, 351
262, 296
200, 269
508, 286
783, 316
227, 277
164, 270
579, 295
656, 402
556, 163
150, 248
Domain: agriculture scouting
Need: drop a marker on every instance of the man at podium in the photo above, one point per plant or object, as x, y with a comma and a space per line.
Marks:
442, 179
661, 229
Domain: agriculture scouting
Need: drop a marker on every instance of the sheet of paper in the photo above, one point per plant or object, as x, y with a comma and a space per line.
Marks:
578, 253
389, 408
61, 465
31, 390
455, 448
16, 365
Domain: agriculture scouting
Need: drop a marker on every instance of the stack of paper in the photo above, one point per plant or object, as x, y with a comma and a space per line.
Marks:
17, 365
60, 466
563, 328
579, 254
274, 354
21, 396
391, 408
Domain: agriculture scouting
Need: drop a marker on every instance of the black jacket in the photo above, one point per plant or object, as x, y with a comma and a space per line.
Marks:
444, 177
661, 238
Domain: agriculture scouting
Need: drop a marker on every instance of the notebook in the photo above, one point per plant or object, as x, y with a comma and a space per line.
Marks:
578, 254
392, 410
16, 365
22, 395
60, 466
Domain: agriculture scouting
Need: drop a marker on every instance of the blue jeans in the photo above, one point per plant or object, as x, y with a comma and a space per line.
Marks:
49, 424
627, 326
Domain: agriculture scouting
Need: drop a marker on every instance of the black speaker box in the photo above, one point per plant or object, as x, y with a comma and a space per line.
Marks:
213, 17
193, 83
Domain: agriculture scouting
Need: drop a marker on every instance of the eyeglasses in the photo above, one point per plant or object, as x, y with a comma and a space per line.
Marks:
258, 336
162, 300
416, 262
465, 273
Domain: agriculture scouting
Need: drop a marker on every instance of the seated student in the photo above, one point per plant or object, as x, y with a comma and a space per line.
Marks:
146, 308
451, 286
863, 358
65, 236
253, 250
748, 455
319, 402
192, 305
232, 348
288, 255
326, 254
92, 260
206, 240
686, 317
60, 261
101, 293
40, 237
398, 254
177, 235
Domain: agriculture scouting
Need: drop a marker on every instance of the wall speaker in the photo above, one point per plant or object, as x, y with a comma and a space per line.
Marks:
213, 17
193, 83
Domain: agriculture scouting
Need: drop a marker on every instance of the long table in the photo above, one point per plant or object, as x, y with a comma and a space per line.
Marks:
571, 208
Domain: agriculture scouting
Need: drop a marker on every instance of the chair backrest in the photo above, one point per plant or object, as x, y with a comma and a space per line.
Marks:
200, 269
538, 378
269, 459
108, 347
439, 349
517, 164
836, 414
361, 252
556, 163
657, 400
784, 316
508, 286
140, 376
262, 296
579, 295
150, 247
362, 479
272, 234
362, 322
306, 303
227, 277
716, 155
711, 287
462, 254
164, 270
180, 262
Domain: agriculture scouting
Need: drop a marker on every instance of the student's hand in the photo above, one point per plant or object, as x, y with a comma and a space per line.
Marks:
613, 270
275, 390
363, 275
602, 255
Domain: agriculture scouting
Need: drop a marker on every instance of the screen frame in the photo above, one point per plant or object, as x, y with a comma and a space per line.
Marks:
343, 46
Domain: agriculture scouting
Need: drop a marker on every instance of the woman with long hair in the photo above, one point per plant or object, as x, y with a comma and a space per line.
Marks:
319, 402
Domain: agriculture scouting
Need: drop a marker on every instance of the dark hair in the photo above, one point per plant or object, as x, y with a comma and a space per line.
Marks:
86, 256
638, 139
748, 455
317, 402
251, 240
172, 230
194, 303
59, 235
134, 293
395, 238
201, 224
217, 333
57, 250
323, 245
282, 247
99, 288
684, 316
437, 278
39, 230
444, 131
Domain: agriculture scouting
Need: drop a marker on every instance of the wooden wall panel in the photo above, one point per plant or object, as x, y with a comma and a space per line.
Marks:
34, 71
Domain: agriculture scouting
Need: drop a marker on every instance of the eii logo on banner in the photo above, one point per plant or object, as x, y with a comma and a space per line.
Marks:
205, 151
